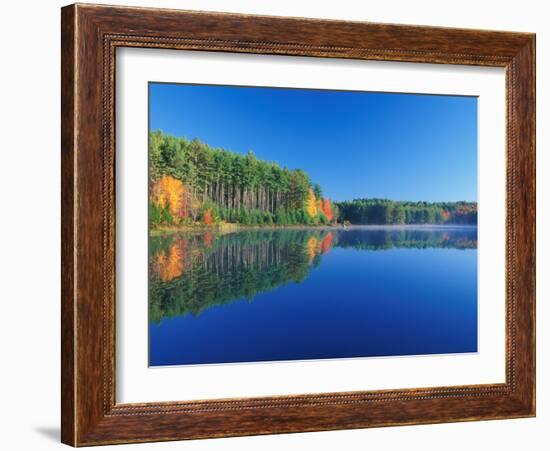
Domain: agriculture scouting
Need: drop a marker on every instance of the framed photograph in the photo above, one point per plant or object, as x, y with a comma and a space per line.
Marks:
279, 225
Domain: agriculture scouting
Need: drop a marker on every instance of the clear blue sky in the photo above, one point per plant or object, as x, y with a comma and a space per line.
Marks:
354, 144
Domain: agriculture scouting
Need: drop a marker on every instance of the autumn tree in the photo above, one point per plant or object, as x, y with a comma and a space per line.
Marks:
207, 217
311, 204
169, 193
327, 210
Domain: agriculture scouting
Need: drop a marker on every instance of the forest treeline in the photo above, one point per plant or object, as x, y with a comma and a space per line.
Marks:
194, 183
385, 211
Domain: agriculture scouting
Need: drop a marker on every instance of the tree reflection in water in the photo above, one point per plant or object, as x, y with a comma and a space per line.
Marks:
190, 272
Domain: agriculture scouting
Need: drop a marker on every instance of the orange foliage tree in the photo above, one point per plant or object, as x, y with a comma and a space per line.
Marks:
327, 210
207, 218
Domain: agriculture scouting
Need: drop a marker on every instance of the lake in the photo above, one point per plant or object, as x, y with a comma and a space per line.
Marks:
312, 293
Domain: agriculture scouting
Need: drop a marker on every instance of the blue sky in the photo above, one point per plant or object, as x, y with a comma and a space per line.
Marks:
354, 144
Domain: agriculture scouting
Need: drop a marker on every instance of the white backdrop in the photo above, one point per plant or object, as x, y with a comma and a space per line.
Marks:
30, 224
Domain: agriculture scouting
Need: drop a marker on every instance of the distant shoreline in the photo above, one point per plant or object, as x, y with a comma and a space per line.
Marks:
411, 226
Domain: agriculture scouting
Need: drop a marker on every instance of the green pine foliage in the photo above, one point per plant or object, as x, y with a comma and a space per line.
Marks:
230, 180
385, 211
155, 214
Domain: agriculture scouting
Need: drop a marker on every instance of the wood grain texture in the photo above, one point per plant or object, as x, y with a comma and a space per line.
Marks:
68, 262
90, 36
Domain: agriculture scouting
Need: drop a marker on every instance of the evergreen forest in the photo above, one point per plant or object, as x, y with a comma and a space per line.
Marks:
194, 184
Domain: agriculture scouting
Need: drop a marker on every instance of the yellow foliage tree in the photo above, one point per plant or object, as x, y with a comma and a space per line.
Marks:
311, 204
170, 191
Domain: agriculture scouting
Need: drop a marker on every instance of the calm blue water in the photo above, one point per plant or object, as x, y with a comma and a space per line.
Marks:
292, 295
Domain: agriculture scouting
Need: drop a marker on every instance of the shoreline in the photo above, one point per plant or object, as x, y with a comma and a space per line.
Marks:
232, 228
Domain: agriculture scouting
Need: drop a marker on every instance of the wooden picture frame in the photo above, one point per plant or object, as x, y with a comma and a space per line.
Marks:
90, 35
